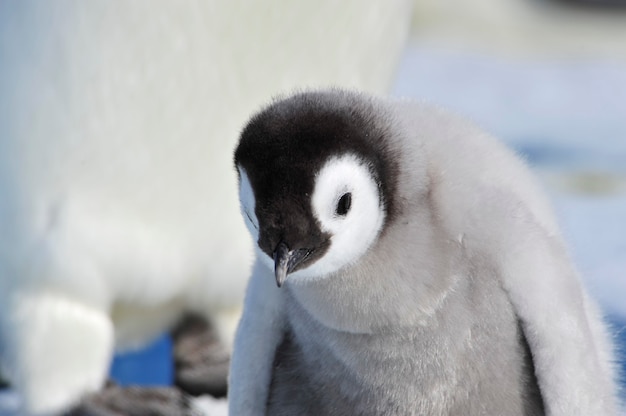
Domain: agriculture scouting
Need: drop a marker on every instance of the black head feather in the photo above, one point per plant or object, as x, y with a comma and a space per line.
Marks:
285, 145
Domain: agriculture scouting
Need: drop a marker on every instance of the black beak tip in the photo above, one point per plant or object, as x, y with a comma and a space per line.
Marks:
286, 260
282, 257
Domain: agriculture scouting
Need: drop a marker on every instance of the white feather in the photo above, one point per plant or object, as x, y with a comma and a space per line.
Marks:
247, 202
79, 336
353, 233
117, 126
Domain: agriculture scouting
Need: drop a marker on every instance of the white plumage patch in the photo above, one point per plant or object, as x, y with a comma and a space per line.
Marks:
60, 349
354, 221
246, 199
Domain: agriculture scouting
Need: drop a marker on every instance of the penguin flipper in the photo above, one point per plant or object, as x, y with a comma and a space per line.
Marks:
568, 342
258, 335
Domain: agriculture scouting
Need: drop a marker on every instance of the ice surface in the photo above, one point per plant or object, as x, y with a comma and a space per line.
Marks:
9, 403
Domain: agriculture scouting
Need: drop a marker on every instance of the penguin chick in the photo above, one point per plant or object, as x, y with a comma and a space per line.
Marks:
406, 265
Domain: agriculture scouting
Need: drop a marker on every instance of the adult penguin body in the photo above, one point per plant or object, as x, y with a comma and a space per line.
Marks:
406, 264
117, 194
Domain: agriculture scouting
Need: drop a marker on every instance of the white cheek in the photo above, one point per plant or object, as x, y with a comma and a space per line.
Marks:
354, 233
247, 204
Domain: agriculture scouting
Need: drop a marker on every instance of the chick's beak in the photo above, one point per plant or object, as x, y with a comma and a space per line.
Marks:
285, 261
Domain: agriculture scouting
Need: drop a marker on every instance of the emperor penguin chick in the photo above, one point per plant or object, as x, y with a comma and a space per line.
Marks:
406, 265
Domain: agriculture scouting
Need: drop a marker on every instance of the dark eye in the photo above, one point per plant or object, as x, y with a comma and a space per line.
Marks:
343, 206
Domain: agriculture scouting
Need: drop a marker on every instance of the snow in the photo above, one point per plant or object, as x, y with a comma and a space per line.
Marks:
9, 403
557, 103
210, 407
567, 117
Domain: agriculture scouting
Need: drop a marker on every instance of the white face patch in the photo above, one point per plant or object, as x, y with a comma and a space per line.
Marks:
247, 204
346, 202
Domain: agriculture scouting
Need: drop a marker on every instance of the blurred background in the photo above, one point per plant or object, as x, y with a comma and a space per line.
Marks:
549, 78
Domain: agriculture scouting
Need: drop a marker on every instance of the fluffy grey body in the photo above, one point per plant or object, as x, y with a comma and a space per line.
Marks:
425, 373
424, 273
